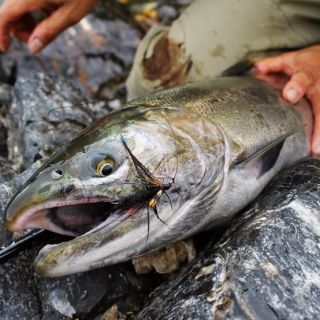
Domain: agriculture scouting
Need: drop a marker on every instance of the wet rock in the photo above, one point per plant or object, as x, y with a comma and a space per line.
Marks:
5, 100
266, 266
5, 96
3, 139
89, 294
45, 113
93, 54
19, 298
167, 13
7, 171
81, 296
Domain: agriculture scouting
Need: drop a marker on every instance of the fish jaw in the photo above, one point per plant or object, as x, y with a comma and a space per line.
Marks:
123, 237
106, 246
119, 240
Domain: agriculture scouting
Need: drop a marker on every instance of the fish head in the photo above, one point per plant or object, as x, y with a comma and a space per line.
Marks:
119, 189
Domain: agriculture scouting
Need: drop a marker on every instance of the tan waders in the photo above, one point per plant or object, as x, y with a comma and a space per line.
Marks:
214, 35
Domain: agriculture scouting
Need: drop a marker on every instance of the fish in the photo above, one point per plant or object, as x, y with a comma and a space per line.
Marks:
161, 169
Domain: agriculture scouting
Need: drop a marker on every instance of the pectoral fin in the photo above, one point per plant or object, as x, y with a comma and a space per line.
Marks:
264, 159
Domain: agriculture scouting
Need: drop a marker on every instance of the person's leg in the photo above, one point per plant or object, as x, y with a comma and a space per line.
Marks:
213, 35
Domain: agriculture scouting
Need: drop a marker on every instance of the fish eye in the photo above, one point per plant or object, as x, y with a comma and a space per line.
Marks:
56, 174
105, 167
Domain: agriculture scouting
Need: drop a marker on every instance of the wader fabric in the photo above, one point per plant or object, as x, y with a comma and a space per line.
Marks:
214, 35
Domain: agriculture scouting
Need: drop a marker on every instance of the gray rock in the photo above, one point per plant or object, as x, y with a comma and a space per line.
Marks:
81, 296
44, 114
5, 100
94, 54
265, 266
7, 171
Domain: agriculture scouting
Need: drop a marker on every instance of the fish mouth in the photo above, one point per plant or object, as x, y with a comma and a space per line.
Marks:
69, 217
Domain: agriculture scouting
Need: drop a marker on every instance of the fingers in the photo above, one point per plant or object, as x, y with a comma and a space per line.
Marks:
303, 67
68, 14
275, 65
315, 100
23, 28
10, 12
298, 86
61, 14
49, 28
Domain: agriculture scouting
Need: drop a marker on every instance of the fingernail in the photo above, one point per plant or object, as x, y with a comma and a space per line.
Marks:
292, 95
36, 45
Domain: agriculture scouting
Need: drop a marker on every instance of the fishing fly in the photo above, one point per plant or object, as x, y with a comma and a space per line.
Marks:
152, 184
150, 181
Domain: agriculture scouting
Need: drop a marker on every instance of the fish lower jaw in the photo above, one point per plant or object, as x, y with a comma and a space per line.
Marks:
115, 241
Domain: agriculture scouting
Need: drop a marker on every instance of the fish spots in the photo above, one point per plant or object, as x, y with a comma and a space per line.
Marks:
260, 120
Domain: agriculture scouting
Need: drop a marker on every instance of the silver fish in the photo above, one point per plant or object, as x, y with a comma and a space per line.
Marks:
163, 168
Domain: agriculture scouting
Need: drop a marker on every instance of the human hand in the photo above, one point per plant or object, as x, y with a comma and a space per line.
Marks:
303, 67
16, 20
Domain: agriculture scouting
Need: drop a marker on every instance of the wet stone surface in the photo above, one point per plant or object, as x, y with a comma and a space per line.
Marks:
81, 296
44, 114
266, 266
